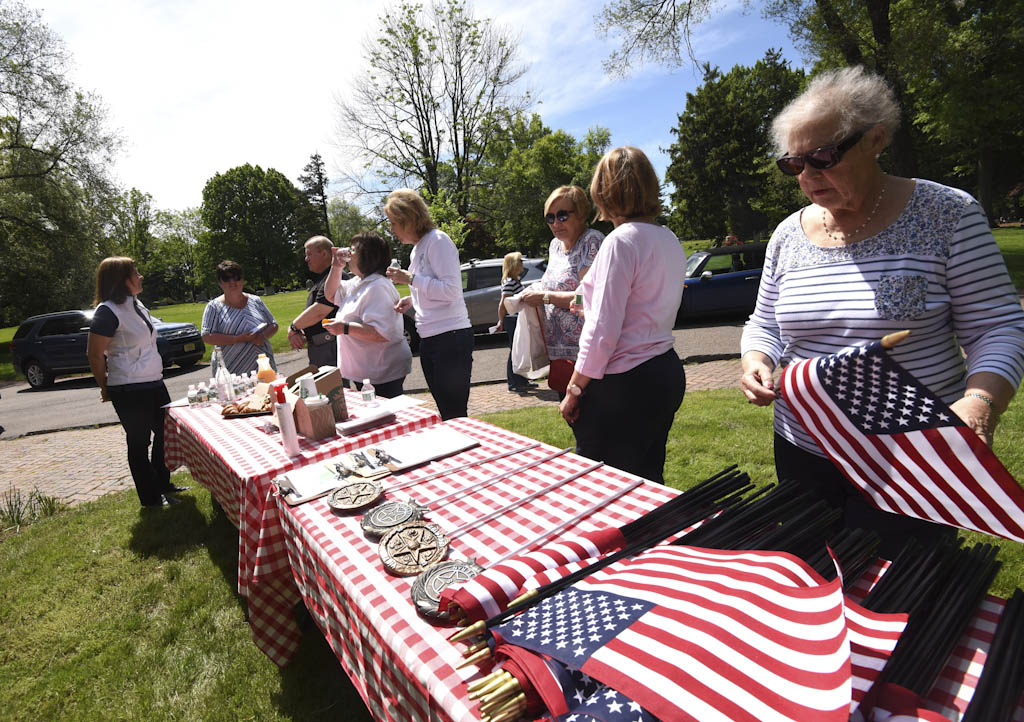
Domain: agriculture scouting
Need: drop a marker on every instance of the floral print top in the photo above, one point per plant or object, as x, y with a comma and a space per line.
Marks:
562, 329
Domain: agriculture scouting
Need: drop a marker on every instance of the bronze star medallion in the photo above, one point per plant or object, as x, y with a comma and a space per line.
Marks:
426, 590
411, 548
382, 519
355, 495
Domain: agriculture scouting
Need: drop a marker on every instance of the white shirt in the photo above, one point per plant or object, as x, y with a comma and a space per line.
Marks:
371, 301
436, 290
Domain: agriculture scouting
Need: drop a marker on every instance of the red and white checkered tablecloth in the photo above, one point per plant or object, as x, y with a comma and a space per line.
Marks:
237, 459
401, 663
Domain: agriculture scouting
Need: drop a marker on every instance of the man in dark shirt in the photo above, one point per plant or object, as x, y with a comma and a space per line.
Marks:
306, 330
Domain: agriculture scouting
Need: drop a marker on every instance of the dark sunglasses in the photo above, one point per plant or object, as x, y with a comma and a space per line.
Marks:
827, 156
231, 278
561, 217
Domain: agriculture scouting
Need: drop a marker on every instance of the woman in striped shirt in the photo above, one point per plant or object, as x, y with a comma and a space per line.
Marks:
873, 254
238, 322
511, 272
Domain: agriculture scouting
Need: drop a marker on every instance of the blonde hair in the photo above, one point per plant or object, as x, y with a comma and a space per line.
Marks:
625, 185
857, 98
407, 208
512, 265
112, 279
320, 243
575, 195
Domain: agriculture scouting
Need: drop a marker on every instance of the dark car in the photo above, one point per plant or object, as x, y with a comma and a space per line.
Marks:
722, 281
481, 289
54, 344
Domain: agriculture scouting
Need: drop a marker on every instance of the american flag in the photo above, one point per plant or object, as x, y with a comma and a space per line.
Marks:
591, 701
490, 592
702, 634
905, 449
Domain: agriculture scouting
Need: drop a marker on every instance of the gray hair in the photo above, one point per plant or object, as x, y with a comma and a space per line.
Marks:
858, 98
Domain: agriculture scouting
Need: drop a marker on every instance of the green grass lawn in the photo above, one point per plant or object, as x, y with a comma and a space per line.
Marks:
108, 613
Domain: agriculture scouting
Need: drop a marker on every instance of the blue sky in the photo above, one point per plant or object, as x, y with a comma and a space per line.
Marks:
199, 86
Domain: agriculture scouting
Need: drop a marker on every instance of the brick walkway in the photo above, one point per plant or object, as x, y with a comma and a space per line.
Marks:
84, 464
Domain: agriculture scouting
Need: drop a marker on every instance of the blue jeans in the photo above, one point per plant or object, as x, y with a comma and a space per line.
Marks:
447, 362
515, 380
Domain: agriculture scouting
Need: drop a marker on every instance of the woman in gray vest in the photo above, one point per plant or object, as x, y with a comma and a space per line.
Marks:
126, 364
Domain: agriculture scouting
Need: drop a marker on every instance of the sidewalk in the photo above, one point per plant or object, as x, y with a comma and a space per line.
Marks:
84, 464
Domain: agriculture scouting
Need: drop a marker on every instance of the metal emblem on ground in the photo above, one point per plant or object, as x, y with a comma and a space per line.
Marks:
411, 548
355, 495
382, 519
426, 590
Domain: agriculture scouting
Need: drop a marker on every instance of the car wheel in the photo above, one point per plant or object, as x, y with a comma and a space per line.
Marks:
37, 374
410, 334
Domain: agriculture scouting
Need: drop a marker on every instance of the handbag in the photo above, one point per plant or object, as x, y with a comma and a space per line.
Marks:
559, 369
529, 354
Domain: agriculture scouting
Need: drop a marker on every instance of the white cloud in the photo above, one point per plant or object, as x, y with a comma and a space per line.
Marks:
200, 86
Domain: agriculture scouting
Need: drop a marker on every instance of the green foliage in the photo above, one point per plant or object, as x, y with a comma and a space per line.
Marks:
346, 220
17, 510
447, 217
422, 113
178, 257
55, 153
259, 219
722, 163
523, 165
314, 186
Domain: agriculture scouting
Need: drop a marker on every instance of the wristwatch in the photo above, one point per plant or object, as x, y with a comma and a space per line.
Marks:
411, 276
344, 328
293, 327
547, 298
575, 389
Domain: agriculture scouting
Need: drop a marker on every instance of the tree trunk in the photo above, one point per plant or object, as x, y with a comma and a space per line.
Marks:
986, 183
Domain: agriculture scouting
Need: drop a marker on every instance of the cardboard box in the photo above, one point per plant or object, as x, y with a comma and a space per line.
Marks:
328, 383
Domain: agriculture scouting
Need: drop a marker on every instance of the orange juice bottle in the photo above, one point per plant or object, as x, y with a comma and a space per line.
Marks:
263, 370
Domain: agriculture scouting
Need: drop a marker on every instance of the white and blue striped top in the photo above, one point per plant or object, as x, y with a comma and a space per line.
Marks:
936, 271
218, 317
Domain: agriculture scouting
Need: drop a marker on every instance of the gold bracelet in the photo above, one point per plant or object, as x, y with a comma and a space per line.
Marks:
983, 397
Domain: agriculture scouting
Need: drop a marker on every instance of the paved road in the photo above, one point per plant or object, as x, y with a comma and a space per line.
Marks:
74, 402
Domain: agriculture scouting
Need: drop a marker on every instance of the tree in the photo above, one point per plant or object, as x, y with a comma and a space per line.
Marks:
651, 31
54, 183
131, 223
314, 186
522, 167
346, 220
179, 257
722, 164
257, 218
422, 113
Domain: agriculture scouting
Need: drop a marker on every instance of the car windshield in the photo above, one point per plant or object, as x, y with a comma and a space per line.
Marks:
693, 262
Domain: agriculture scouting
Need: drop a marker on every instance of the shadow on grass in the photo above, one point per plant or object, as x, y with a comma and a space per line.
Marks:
316, 668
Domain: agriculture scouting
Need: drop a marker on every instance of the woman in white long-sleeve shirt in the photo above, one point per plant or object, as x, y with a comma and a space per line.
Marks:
435, 293
371, 342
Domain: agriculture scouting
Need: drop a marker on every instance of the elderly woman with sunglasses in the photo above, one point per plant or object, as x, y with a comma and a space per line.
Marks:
875, 253
570, 255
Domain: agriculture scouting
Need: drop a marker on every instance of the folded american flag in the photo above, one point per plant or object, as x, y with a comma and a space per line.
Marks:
905, 449
702, 634
490, 592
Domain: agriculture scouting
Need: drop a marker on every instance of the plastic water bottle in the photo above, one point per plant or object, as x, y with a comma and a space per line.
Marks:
225, 391
193, 396
202, 395
369, 393
211, 390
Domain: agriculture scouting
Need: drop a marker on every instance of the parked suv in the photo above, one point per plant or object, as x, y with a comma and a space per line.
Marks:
722, 281
481, 289
54, 344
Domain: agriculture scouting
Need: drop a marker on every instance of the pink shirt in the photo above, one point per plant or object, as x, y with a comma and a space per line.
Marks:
630, 298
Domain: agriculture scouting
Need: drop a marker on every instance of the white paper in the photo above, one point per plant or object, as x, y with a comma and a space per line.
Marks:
427, 445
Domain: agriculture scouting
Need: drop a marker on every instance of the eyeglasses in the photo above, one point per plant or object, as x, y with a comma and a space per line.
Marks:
231, 279
561, 217
827, 156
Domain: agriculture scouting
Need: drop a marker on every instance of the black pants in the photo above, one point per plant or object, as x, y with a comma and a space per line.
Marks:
142, 416
386, 390
625, 418
515, 380
322, 354
823, 479
447, 362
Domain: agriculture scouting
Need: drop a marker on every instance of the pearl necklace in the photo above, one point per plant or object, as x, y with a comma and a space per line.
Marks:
845, 237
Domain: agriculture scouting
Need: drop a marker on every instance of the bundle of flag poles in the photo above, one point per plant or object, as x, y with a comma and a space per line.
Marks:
1001, 685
